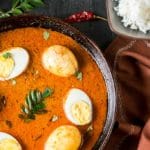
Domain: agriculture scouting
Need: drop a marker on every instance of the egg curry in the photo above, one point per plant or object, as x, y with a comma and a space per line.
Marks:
52, 93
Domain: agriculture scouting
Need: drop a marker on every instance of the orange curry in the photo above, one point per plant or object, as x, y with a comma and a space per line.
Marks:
33, 135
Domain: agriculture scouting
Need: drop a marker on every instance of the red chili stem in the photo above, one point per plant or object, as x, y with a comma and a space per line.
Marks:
100, 18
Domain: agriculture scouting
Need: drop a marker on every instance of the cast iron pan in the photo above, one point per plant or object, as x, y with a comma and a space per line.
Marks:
58, 25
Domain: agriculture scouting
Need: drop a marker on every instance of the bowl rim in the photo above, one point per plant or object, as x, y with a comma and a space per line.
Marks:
89, 46
117, 32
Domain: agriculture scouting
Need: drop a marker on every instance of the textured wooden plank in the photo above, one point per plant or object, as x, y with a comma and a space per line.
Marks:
96, 30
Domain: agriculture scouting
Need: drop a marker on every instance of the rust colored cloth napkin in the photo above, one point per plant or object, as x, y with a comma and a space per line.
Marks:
130, 64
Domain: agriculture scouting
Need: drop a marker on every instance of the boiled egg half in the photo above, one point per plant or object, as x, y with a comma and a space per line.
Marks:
8, 142
65, 137
13, 62
60, 61
78, 107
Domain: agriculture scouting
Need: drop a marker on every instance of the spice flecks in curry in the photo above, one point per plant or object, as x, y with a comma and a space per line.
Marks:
92, 83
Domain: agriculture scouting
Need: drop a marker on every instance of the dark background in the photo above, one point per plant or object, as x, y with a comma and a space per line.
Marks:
96, 30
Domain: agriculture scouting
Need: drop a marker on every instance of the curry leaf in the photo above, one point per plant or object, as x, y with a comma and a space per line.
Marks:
34, 104
21, 6
17, 12
7, 55
38, 107
36, 2
15, 3
47, 92
79, 75
26, 6
46, 35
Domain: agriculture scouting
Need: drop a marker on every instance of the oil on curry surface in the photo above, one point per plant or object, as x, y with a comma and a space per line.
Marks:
33, 134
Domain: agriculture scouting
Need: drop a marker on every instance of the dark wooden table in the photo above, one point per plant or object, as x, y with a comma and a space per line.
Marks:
96, 30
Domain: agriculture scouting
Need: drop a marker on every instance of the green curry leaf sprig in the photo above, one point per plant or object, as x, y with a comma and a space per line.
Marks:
34, 104
20, 6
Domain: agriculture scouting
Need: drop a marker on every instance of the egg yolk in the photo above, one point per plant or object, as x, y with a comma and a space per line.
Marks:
6, 66
65, 138
9, 144
81, 112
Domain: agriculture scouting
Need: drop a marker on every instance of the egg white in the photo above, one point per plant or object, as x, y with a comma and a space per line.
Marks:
60, 61
6, 136
21, 61
65, 137
75, 96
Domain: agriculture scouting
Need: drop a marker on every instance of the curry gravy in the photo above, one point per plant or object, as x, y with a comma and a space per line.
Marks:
33, 135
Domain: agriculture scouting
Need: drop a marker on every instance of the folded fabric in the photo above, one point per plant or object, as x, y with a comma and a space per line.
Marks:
144, 143
130, 65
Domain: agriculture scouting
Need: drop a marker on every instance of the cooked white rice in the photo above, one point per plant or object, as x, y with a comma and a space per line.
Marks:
135, 14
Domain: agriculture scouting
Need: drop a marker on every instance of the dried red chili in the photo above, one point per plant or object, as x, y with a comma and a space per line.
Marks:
83, 16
